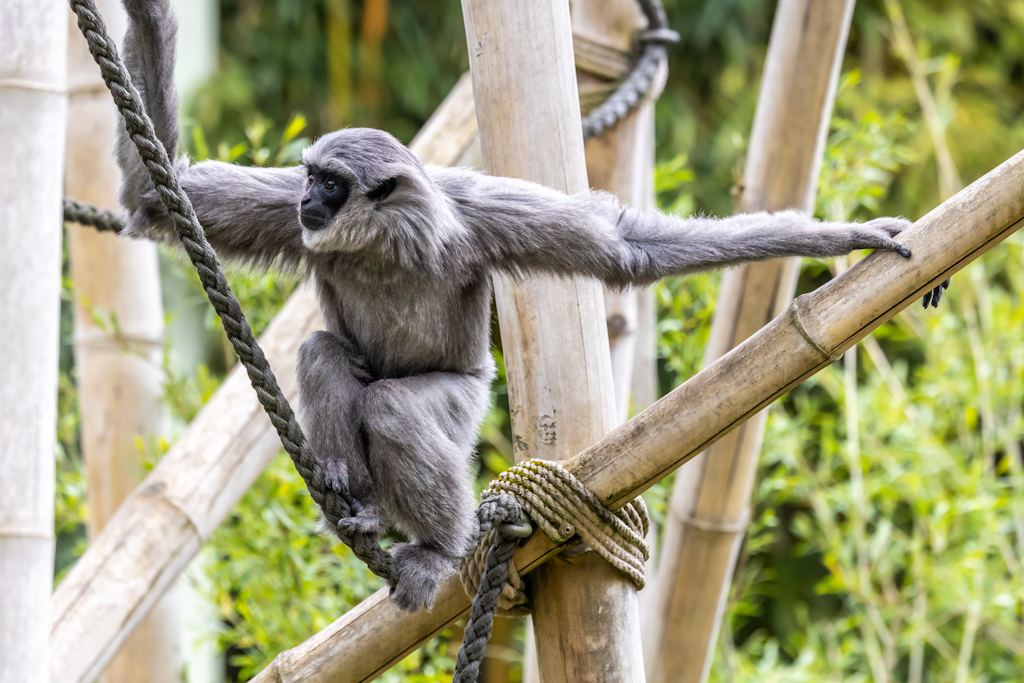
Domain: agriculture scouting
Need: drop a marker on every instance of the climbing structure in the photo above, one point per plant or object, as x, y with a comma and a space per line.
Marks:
810, 334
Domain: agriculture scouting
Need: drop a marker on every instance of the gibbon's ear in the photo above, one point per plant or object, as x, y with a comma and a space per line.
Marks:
382, 191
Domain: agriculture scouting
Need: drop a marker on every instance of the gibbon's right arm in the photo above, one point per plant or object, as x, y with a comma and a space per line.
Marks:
249, 214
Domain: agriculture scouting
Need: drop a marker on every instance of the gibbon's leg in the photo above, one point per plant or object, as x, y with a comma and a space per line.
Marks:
421, 434
331, 379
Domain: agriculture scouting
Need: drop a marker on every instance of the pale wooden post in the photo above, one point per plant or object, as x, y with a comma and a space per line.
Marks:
161, 526
709, 508
33, 111
119, 376
553, 330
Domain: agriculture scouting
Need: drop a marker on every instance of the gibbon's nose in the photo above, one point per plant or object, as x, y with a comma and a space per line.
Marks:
306, 199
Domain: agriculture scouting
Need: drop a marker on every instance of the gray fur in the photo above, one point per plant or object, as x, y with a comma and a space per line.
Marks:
394, 390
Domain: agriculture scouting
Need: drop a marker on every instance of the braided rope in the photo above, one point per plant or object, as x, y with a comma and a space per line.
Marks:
562, 507
335, 505
637, 84
87, 214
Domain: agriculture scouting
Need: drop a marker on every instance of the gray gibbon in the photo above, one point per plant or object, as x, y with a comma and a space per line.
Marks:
401, 254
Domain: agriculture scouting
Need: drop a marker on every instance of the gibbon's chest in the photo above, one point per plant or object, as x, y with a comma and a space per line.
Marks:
407, 328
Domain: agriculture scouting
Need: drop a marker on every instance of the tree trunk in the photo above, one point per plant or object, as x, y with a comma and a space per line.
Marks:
709, 508
33, 112
118, 342
815, 330
559, 375
162, 524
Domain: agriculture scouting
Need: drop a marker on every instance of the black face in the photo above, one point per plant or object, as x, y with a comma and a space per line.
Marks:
325, 194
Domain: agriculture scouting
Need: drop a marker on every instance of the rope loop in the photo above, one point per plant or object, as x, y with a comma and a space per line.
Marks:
562, 507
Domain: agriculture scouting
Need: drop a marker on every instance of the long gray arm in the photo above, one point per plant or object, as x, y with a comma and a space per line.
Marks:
521, 227
249, 214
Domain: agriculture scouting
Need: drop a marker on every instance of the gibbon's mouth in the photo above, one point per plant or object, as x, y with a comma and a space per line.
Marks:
313, 221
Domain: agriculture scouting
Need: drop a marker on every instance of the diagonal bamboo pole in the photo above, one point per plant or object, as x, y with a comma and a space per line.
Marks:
707, 516
163, 523
811, 333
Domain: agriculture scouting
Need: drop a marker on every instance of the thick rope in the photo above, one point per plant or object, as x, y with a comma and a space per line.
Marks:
637, 84
335, 505
562, 507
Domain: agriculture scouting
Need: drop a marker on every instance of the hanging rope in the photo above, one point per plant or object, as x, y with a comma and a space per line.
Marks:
335, 505
562, 507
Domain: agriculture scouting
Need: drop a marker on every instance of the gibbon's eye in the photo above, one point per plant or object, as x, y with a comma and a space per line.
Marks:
311, 179
329, 184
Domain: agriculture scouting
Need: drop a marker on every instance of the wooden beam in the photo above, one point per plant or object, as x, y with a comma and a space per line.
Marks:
813, 331
33, 113
707, 516
163, 523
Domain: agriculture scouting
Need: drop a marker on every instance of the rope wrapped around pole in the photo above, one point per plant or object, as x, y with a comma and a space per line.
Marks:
557, 502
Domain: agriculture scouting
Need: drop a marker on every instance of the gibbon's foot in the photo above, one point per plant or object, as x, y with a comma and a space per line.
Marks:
935, 295
368, 520
420, 571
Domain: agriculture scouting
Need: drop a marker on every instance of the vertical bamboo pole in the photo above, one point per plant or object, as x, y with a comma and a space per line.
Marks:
619, 161
709, 504
553, 330
33, 110
118, 365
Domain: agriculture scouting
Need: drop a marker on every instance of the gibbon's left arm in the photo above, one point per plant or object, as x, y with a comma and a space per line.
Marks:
521, 227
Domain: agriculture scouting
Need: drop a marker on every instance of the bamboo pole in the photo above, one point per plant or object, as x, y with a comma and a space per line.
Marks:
118, 367
554, 338
33, 112
816, 329
708, 512
619, 161
162, 524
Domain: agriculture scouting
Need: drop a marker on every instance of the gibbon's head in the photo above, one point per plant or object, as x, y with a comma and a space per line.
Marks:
365, 189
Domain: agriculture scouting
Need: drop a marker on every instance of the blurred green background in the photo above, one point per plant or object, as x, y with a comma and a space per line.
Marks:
904, 538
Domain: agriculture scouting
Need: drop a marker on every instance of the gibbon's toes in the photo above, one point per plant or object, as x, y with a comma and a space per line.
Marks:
336, 476
902, 251
366, 520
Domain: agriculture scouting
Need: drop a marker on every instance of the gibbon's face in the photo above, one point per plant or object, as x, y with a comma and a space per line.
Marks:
326, 193
355, 178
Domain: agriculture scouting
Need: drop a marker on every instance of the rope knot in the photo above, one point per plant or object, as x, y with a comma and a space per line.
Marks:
562, 507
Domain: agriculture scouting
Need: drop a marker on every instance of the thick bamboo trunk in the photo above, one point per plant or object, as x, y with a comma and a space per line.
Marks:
554, 334
711, 498
811, 333
119, 378
33, 112
162, 524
